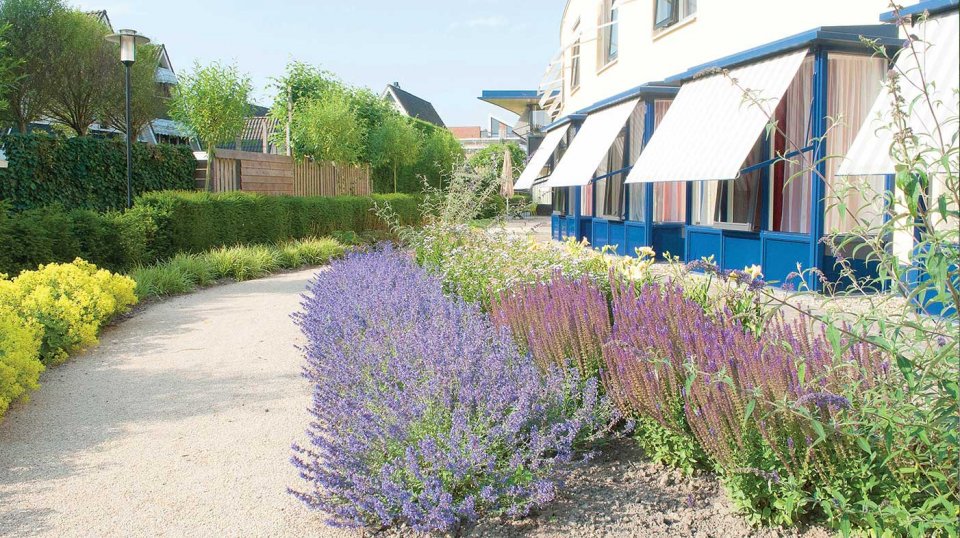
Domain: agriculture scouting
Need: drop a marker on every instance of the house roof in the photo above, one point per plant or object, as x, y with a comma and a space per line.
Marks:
253, 127
472, 131
414, 106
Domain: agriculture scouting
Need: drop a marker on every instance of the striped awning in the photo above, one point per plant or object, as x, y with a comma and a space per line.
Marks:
937, 54
593, 141
711, 126
540, 157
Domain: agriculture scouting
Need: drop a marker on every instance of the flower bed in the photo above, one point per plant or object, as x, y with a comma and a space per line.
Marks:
425, 414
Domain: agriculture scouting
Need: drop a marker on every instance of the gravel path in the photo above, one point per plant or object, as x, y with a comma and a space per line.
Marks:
178, 424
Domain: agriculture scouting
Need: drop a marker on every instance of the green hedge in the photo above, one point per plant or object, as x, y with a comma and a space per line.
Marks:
163, 224
86, 172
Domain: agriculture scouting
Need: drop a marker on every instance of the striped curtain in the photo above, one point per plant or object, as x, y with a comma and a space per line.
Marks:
854, 83
636, 190
669, 199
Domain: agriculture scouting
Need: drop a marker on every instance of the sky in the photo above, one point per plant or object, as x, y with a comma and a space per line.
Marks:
446, 52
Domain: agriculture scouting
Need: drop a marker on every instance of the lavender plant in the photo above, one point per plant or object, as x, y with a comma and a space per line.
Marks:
425, 414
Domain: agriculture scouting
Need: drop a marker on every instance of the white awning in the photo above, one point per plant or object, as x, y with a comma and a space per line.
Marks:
594, 139
938, 53
710, 128
540, 158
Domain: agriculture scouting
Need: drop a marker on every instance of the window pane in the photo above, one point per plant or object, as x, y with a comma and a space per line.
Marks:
666, 13
737, 200
790, 180
854, 82
613, 36
704, 196
575, 65
613, 187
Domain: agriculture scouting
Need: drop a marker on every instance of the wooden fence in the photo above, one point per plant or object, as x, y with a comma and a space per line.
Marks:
279, 174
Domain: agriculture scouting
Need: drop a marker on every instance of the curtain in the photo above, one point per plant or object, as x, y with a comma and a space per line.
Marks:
796, 171
586, 200
613, 185
636, 190
854, 83
669, 199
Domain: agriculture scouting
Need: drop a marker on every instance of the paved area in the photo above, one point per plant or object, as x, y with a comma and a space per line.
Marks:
178, 424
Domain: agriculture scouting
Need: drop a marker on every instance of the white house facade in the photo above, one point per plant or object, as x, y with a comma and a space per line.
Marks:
660, 131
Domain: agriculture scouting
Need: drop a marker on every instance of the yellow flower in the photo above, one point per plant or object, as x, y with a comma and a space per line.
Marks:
754, 271
646, 252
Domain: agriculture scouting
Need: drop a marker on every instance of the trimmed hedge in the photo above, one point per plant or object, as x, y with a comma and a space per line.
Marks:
87, 172
199, 221
163, 224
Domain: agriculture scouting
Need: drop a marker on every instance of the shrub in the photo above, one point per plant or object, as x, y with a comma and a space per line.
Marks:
87, 172
558, 322
425, 414
69, 302
19, 347
162, 225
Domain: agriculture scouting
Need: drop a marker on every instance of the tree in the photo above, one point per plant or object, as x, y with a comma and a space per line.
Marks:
145, 103
301, 82
441, 153
328, 129
492, 157
212, 102
394, 143
7, 66
32, 37
81, 65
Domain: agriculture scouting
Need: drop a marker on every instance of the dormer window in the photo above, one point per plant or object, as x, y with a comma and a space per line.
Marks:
670, 12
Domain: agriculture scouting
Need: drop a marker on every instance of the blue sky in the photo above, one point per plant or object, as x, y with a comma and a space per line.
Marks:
444, 51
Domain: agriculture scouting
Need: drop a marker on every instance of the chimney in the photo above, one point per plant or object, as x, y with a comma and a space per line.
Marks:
396, 85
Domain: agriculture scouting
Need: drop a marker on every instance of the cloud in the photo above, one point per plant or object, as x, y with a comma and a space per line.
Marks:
480, 22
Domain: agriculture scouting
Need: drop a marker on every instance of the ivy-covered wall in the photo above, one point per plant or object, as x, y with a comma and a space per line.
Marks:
86, 172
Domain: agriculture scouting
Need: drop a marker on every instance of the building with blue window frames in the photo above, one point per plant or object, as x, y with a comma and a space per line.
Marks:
692, 170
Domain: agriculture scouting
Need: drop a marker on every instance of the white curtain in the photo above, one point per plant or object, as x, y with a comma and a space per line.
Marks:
669, 199
854, 83
613, 191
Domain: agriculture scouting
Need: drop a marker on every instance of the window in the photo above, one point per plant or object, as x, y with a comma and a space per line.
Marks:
790, 178
560, 197
575, 65
636, 191
612, 189
852, 81
670, 12
734, 203
609, 34
669, 199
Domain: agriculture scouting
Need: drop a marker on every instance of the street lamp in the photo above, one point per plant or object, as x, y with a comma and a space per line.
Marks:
128, 40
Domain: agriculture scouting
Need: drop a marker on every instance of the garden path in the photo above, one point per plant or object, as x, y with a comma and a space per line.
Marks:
179, 423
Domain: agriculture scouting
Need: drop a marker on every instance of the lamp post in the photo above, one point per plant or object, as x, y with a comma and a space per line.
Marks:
128, 40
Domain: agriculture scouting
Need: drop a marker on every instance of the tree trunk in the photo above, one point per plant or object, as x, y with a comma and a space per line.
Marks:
208, 184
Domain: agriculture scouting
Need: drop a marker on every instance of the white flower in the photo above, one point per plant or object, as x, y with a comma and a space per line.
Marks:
754, 271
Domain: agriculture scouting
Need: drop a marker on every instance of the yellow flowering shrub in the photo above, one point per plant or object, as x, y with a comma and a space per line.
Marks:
19, 350
69, 302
